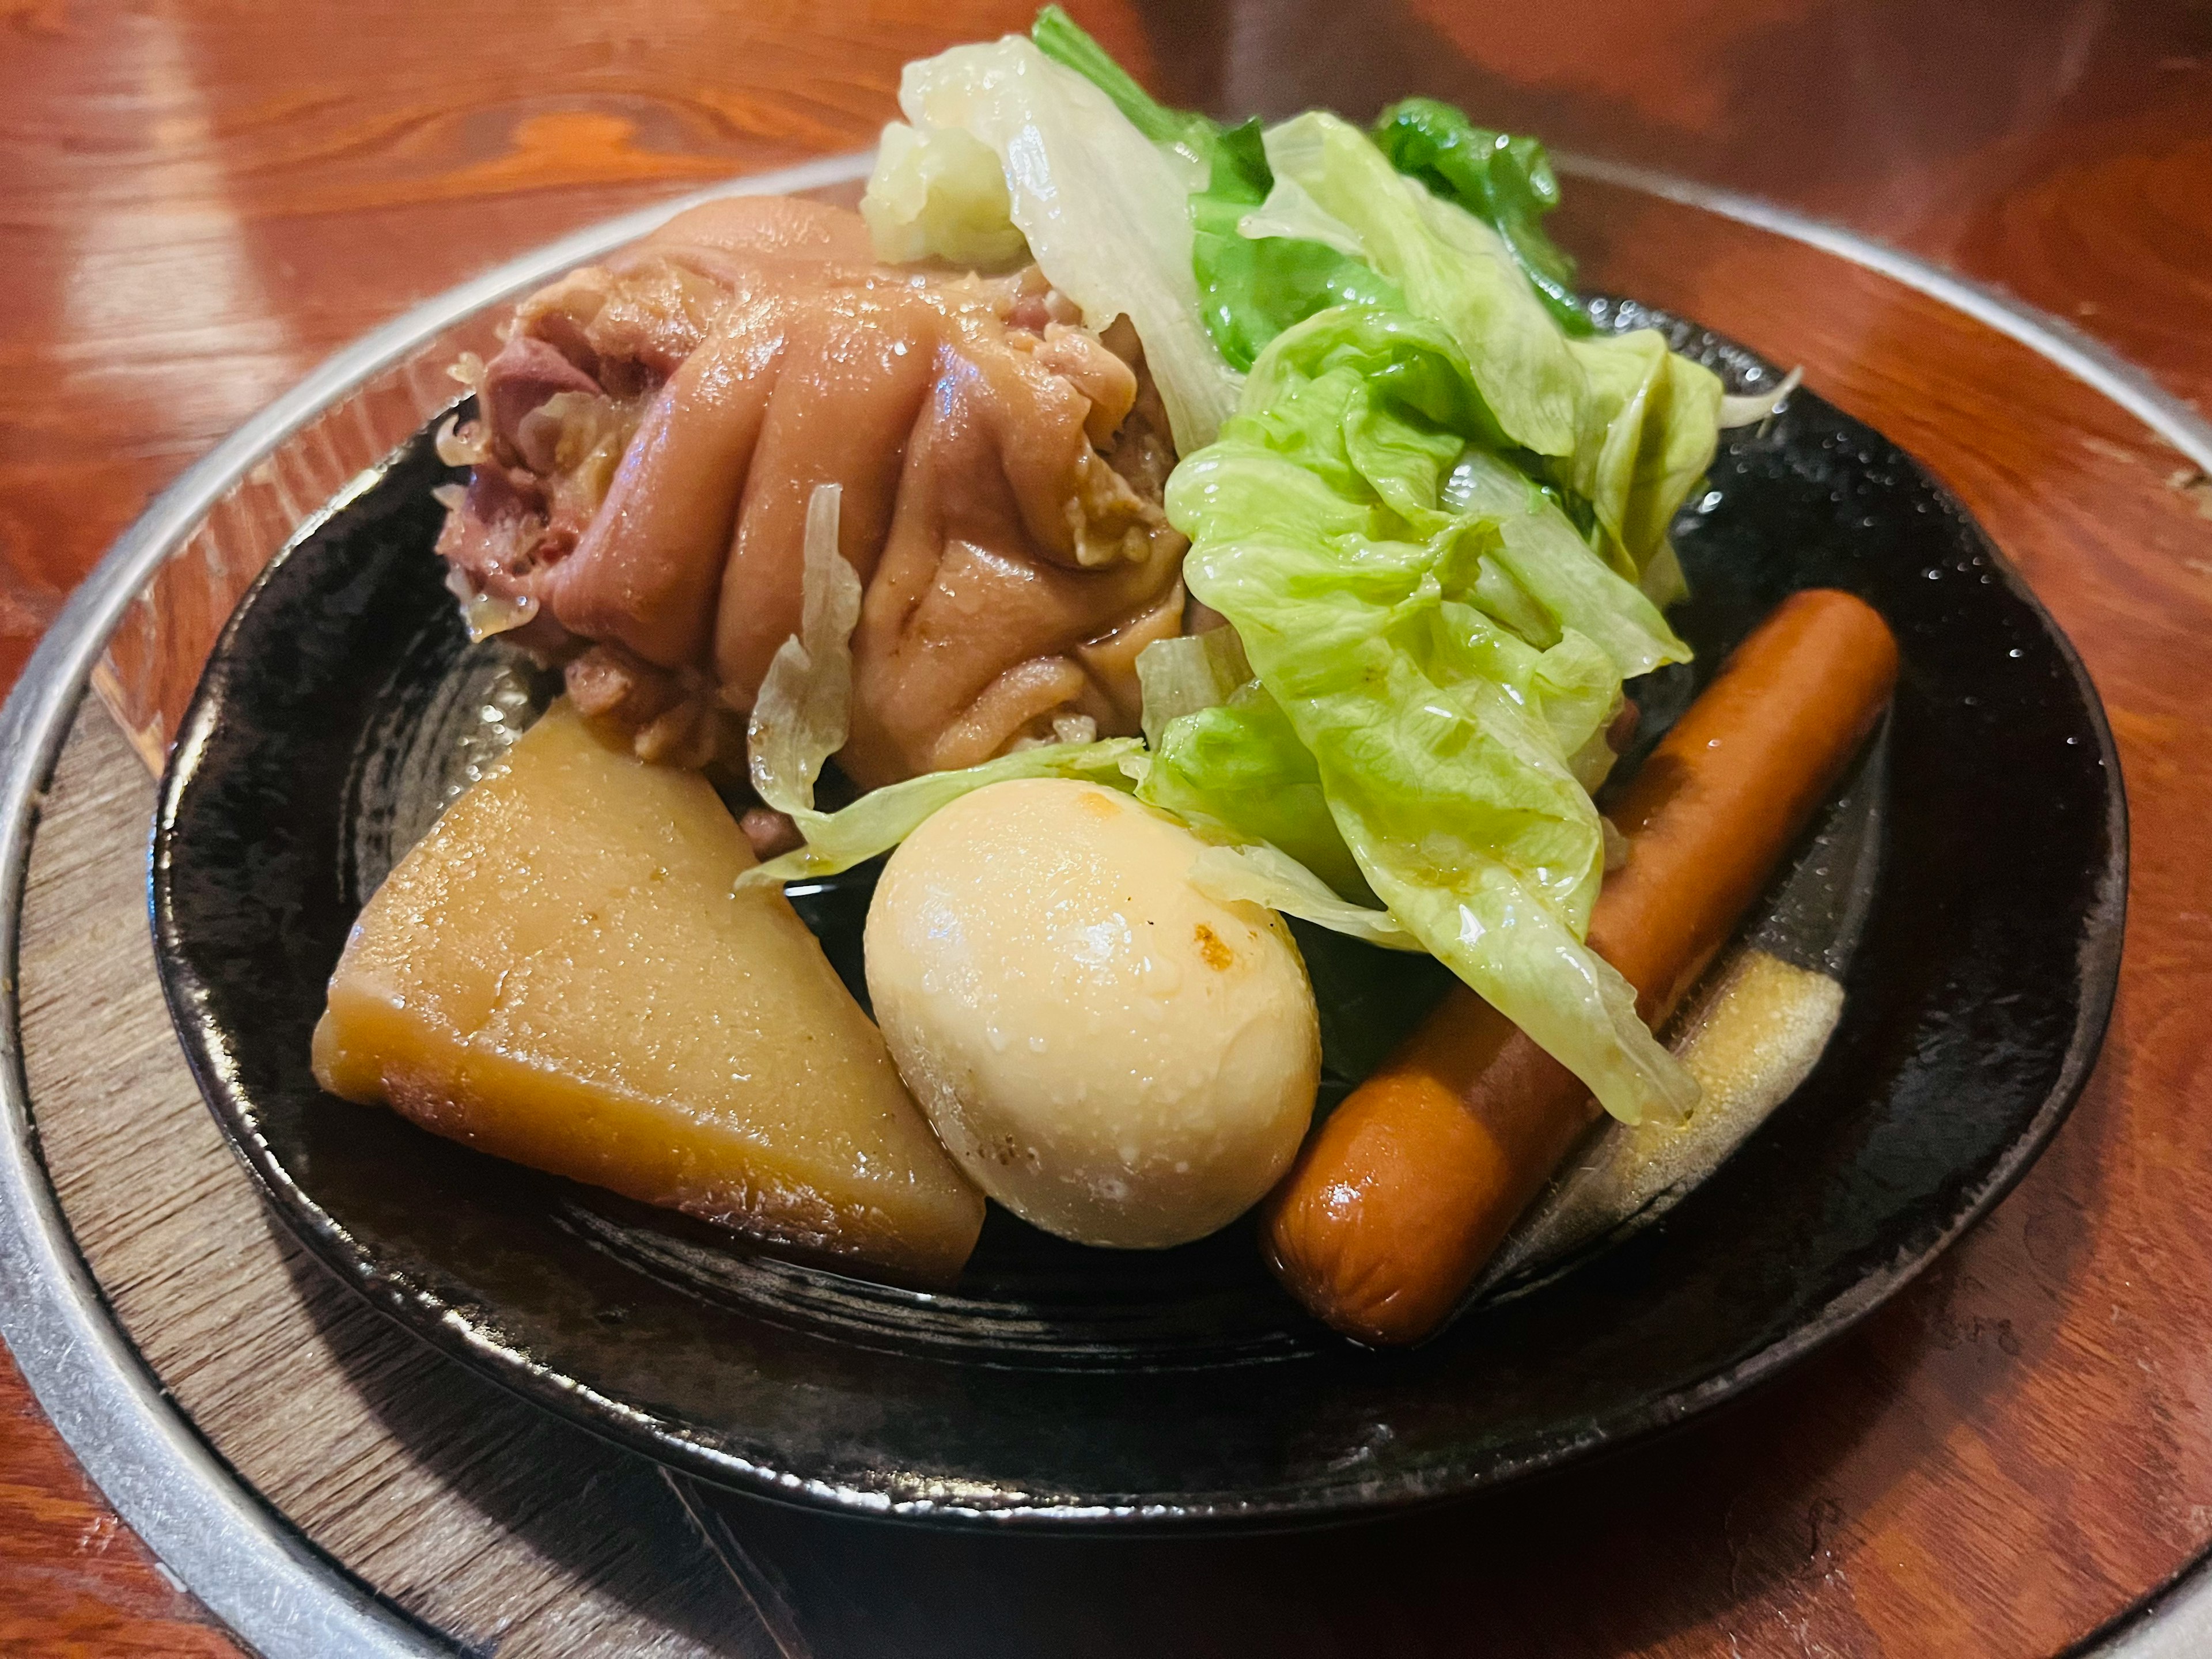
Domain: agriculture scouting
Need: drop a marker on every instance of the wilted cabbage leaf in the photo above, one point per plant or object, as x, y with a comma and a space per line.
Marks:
1104, 209
1503, 181
884, 817
940, 195
803, 713
1442, 741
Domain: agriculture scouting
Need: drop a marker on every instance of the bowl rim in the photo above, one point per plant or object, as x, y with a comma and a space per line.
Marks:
430, 1316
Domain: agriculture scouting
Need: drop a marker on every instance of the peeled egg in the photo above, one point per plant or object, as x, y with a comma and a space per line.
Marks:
1111, 1053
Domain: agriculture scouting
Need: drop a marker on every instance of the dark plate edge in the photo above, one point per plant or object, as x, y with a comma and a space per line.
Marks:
433, 1320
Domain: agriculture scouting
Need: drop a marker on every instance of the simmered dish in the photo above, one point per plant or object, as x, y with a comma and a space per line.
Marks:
564, 972
1142, 530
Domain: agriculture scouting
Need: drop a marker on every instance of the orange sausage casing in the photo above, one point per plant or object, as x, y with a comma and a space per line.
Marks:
1403, 1193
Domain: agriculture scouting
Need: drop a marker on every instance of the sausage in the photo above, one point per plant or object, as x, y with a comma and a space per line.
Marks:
1402, 1194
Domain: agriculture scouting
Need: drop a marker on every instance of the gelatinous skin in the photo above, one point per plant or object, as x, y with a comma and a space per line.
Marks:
654, 427
1398, 1199
560, 973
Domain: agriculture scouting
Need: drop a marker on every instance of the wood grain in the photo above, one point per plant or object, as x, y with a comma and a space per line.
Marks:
75, 1579
196, 203
486, 1518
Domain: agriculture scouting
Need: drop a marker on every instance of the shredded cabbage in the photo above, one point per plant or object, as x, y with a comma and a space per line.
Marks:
1104, 211
805, 709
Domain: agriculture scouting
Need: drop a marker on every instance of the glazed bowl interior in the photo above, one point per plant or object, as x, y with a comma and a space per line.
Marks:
1058, 1386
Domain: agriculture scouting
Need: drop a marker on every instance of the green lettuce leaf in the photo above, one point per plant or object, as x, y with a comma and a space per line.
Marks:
884, 817
1251, 873
1064, 40
1444, 742
1544, 577
1618, 425
1239, 771
1503, 181
1251, 289
1180, 676
1651, 423
1451, 267
1225, 762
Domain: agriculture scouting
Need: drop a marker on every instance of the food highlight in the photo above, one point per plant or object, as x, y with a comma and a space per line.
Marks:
1150, 529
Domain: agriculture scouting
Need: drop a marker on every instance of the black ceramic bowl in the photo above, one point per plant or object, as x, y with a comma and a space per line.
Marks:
1072, 1387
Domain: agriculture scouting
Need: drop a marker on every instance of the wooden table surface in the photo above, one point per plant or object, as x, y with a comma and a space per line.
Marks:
199, 202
